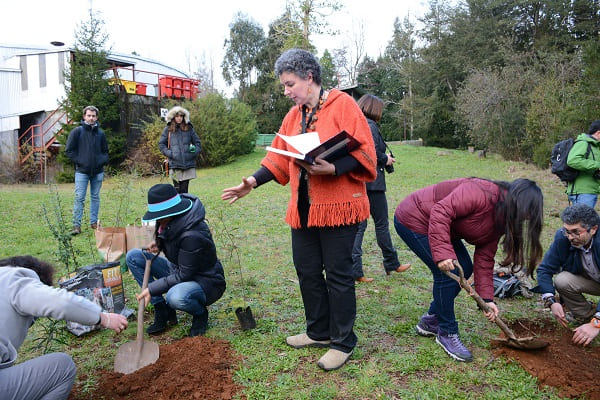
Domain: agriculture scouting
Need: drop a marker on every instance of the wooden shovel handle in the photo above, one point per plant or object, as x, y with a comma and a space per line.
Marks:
480, 302
142, 303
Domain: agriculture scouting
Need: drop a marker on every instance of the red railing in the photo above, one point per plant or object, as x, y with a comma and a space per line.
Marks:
34, 136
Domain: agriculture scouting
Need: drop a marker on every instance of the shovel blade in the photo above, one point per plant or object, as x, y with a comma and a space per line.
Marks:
526, 343
130, 357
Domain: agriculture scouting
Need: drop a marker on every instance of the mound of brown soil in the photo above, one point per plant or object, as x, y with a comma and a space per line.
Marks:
573, 369
191, 368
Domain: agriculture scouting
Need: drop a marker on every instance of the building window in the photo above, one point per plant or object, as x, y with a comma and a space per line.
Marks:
61, 67
23, 66
42, 60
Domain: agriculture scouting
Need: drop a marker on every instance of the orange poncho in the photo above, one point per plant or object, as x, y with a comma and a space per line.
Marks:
334, 200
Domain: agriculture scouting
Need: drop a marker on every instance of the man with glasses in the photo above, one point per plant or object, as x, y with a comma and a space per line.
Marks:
573, 260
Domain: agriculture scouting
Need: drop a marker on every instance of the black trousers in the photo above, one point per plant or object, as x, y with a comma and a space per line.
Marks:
329, 299
181, 186
379, 212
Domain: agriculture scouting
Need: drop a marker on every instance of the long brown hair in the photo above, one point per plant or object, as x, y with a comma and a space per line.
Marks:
173, 126
522, 204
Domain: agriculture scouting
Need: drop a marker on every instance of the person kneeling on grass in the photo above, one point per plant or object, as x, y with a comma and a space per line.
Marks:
26, 293
433, 222
573, 259
191, 275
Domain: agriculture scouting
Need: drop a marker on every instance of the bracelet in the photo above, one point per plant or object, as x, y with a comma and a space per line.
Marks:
548, 301
595, 322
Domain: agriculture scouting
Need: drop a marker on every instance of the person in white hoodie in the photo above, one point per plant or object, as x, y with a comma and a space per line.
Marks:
26, 293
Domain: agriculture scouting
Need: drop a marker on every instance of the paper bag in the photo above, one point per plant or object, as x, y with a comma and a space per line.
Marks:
111, 242
139, 236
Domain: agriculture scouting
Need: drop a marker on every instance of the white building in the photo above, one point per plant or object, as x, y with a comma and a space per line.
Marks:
32, 85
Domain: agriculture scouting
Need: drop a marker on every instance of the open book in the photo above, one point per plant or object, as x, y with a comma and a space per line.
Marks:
310, 148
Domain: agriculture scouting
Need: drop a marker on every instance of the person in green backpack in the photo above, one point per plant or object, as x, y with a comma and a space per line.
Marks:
585, 158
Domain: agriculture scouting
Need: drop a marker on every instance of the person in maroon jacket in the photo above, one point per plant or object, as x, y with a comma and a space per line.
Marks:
434, 220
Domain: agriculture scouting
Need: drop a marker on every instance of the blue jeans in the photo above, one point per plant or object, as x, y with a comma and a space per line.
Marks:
185, 296
81, 182
445, 289
584, 198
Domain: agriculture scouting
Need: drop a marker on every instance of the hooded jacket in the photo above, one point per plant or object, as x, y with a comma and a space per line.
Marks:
23, 297
177, 148
87, 148
334, 200
585, 183
188, 245
458, 209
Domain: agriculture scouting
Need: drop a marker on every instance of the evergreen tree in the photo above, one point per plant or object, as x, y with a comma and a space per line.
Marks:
87, 83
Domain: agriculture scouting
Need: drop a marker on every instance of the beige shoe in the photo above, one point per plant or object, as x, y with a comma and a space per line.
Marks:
333, 359
302, 340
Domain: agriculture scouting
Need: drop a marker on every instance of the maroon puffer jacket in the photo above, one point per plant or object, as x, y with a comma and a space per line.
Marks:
458, 209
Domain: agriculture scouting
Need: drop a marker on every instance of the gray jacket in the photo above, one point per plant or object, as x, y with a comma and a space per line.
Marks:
23, 298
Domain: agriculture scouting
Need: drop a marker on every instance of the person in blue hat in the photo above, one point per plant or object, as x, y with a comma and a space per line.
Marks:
190, 274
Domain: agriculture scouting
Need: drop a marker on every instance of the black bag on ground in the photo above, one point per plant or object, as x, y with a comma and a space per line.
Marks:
101, 284
506, 285
558, 160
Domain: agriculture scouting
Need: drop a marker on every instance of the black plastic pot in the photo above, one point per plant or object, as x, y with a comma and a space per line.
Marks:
244, 316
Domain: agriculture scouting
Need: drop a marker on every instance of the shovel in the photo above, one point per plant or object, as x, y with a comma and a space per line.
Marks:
132, 356
526, 343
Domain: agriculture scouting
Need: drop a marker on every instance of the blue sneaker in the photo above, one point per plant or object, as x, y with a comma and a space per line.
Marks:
451, 343
428, 325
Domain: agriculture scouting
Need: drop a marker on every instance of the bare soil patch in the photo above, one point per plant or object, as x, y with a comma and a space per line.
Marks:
191, 368
573, 369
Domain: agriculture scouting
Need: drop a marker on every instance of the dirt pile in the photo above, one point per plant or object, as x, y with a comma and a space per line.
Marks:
191, 368
573, 369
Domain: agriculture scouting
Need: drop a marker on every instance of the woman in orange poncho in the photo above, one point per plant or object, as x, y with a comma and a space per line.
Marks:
328, 201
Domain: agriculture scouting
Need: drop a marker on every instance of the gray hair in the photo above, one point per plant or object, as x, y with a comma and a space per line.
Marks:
91, 108
299, 62
580, 213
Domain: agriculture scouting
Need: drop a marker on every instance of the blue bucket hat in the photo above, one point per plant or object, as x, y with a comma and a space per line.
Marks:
164, 201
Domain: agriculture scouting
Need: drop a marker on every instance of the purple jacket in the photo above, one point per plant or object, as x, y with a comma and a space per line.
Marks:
458, 209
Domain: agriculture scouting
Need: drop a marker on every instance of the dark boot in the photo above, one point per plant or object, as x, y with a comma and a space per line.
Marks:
199, 324
161, 316
172, 315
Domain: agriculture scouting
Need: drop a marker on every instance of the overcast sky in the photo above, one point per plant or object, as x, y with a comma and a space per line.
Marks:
175, 32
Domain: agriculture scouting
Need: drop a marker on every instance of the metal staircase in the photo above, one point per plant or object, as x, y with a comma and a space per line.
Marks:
39, 137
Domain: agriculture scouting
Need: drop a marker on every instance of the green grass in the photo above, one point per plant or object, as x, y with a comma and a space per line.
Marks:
390, 361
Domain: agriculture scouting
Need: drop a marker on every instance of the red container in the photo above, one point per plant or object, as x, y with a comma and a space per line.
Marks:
166, 86
140, 88
177, 87
187, 88
194, 93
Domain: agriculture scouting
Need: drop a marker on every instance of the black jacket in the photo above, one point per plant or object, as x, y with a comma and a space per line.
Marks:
88, 149
188, 244
379, 183
178, 152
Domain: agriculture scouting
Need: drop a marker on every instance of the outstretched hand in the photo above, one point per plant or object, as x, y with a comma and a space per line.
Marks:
584, 334
116, 322
237, 192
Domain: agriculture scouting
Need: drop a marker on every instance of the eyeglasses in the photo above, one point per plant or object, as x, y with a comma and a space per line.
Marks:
574, 233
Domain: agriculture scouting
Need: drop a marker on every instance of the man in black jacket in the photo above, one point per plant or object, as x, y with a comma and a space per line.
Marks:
573, 260
88, 149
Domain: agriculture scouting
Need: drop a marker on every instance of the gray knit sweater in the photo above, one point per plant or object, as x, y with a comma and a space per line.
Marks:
23, 297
